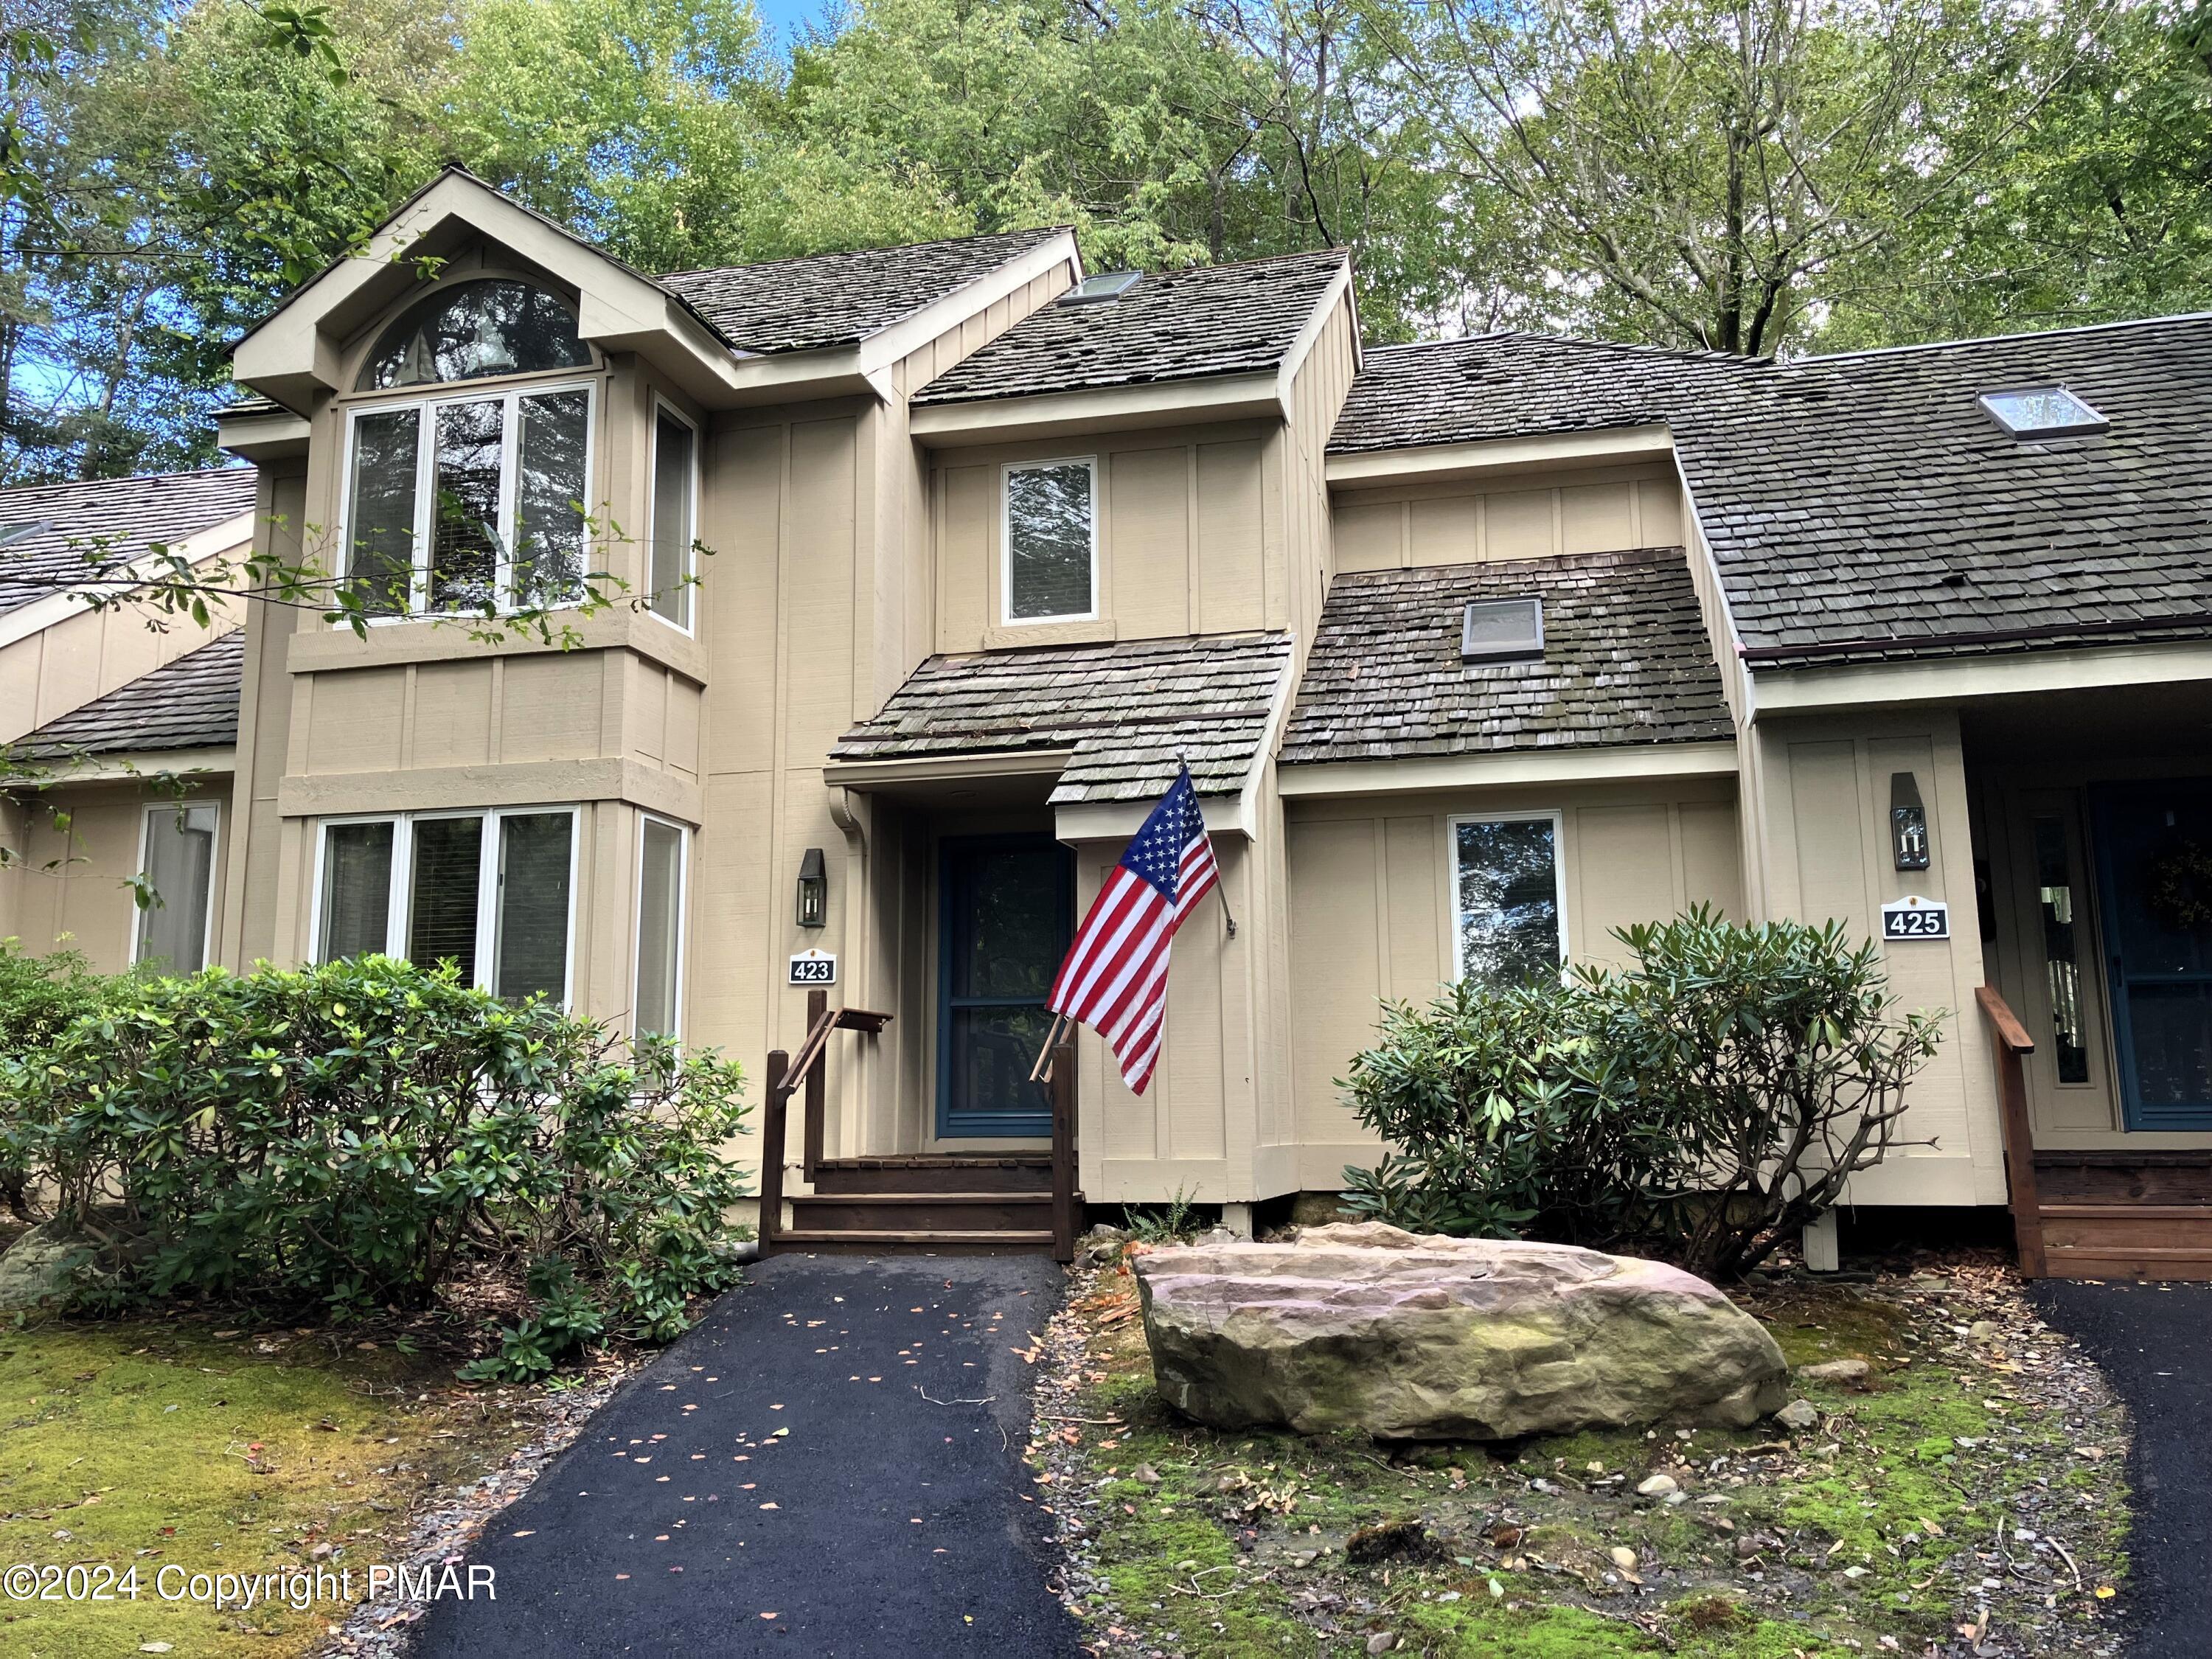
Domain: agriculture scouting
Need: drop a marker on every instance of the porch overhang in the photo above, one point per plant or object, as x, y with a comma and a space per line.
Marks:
1777, 690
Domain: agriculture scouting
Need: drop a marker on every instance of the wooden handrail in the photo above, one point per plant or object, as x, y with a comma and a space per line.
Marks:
1063, 1152
787, 1074
2013, 1046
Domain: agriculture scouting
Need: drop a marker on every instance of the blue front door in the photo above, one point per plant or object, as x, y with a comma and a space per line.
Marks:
1006, 906
2154, 844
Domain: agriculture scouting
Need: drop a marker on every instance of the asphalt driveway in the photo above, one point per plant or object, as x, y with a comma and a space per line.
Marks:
831, 1464
2155, 1342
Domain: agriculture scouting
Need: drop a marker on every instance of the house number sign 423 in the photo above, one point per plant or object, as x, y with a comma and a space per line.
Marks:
813, 967
1914, 917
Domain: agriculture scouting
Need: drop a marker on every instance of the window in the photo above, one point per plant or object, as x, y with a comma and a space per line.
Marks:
1511, 918
470, 503
675, 498
658, 1007
474, 329
177, 858
2047, 411
1499, 630
489, 892
1051, 541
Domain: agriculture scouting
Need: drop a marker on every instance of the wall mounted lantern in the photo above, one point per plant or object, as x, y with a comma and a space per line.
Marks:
813, 889
1908, 823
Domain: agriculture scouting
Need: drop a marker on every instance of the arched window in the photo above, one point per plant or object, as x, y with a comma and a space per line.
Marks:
464, 333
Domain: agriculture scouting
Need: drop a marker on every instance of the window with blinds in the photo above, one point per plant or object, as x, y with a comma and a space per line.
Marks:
490, 893
179, 867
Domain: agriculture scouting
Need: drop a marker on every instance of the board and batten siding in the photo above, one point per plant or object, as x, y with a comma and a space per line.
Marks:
1599, 510
1821, 791
1371, 912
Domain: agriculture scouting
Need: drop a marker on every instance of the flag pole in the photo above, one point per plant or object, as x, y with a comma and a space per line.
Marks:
1042, 1069
1220, 891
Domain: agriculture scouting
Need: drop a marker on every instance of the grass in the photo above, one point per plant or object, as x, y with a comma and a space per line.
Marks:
1220, 1547
149, 1443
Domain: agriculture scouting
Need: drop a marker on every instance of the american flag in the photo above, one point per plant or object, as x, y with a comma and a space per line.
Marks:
1115, 979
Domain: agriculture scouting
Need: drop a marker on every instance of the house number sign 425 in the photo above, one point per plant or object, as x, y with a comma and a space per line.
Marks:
1913, 917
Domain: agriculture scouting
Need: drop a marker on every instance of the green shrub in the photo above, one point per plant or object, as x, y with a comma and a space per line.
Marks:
40, 996
1706, 1101
360, 1133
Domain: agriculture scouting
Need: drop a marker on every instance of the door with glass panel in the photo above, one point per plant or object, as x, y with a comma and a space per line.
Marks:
1005, 912
2154, 849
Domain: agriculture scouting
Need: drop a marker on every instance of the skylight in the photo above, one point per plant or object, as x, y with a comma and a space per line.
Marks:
21, 528
1106, 285
2043, 411
1502, 630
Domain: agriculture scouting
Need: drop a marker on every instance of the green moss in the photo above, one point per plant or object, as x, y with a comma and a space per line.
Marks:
1478, 1628
146, 1444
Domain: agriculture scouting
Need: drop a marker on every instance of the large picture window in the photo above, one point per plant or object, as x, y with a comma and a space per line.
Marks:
1509, 918
1051, 534
466, 502
177, 858
675, 498
658, 1005
491, 892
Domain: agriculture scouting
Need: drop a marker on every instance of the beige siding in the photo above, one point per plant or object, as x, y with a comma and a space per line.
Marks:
1821, 790
1532, 517
88, 654
72, 889
1370, 911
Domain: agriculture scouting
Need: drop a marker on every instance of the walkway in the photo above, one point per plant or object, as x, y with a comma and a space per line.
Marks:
809, 1472
2155, 1342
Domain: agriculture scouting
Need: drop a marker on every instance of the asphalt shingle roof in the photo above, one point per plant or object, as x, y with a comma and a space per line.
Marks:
837, 298
190, 703
1625, 661
1865, 507
1127, 710
94, 526
1172, 325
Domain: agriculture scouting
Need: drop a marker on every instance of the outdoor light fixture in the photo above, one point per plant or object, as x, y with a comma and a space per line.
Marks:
1908, 823
813, 889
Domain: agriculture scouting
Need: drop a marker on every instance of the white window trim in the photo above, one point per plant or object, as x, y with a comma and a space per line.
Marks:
145, 858
690, 626
403, 865
682, 920
1007, 617
1556, 819
427, 406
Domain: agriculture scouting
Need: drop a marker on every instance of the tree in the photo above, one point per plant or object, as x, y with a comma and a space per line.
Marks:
1706, 171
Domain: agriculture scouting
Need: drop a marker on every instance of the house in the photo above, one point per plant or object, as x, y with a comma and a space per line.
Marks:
128, 729
938, 561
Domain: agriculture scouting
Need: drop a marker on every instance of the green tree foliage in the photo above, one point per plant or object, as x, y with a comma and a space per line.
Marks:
366, 1133
1705, 1101
1744, 174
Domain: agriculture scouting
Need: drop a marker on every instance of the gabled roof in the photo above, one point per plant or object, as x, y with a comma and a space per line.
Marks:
1172, 325
1127, 710
1626, 660
1867, 507
89, 527
828, 299
191, 702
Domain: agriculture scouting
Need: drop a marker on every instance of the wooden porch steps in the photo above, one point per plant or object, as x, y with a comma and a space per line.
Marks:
948, 1203
2125, 1215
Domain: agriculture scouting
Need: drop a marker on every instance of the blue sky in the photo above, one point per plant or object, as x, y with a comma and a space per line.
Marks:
784, 17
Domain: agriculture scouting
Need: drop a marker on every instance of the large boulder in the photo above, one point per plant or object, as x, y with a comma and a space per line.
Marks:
1364, 1328
45, 1265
